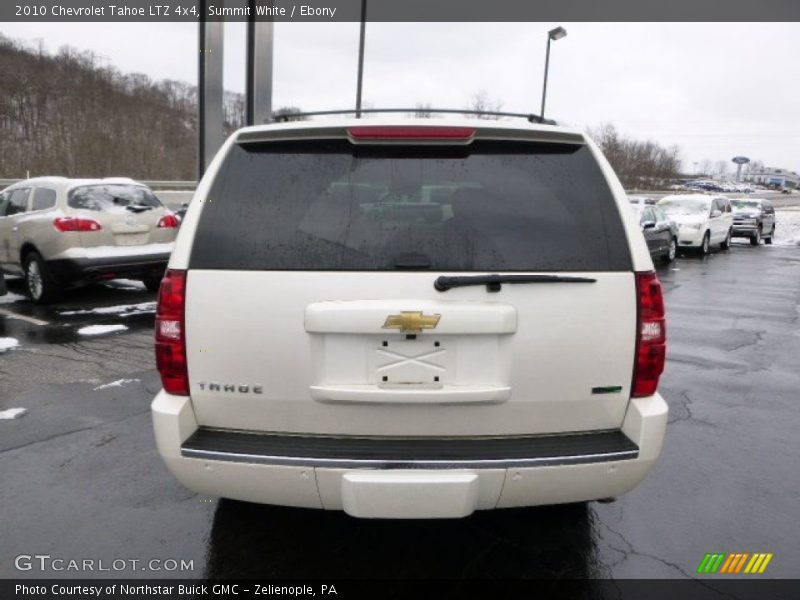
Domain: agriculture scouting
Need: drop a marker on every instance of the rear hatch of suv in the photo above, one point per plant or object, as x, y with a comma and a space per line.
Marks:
337, 285
127, 216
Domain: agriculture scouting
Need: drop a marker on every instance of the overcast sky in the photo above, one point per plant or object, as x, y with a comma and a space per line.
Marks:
715, 90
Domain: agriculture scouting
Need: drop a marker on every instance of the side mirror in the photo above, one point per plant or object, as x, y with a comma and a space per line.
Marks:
648, 225
716, 213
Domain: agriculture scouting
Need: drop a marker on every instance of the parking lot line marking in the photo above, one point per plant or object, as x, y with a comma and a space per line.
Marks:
13, 315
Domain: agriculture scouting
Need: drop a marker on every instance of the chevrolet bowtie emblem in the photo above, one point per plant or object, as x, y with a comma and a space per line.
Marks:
411, 321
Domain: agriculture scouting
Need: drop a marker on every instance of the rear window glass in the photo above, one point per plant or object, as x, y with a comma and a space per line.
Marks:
745, 204
112, 197
684, 205
332, 205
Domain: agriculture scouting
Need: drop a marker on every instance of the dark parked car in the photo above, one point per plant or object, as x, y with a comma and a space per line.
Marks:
753, 218
660, 233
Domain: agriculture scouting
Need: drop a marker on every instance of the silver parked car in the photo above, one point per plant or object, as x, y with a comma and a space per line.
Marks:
59, 233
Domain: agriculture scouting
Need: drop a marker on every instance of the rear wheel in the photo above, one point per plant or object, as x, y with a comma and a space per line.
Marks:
671, 253
152, 283
705, 245
727, 242
39, 282
755, 239
768, 240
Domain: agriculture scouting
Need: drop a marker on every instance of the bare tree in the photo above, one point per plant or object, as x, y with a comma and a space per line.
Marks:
288, 113
481, 102
423, 111
638, 164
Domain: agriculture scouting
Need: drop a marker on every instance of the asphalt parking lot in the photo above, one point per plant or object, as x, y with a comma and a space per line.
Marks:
82, 480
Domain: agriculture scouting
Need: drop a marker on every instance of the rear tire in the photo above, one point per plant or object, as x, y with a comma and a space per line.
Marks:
755, 239
671, 253
705, 245
39, 283
727, 242
152, 283
768, 240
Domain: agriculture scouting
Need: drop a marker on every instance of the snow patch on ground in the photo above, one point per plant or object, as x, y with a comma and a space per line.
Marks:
100, 329
8, 343
123, 310
787, 227
117, 383
12, 413
11, 297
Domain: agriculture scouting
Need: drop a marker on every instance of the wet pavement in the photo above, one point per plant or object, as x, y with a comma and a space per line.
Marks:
81, 477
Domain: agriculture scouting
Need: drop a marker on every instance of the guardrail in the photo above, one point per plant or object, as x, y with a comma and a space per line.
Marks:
156, 185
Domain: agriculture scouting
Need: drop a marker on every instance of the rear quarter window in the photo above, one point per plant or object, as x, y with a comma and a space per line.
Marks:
43, 198
332, 205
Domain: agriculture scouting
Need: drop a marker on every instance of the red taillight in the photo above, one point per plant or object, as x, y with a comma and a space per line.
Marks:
170, 333
76, 224
406, 132
651, 349
168, 221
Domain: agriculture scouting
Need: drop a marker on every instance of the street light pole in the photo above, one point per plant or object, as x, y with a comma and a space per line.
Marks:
552, 35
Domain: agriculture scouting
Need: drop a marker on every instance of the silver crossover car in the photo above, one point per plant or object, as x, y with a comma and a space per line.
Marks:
59, 233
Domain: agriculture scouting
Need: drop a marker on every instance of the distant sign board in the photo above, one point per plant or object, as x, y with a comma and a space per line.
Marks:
740, 160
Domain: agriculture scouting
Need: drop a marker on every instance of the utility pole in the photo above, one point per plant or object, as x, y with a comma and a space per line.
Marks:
209, 90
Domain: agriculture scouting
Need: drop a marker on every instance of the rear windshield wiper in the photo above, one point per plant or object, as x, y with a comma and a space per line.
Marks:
494, 283
137, 208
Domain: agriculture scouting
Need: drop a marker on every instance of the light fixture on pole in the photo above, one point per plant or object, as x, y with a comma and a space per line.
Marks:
552, 35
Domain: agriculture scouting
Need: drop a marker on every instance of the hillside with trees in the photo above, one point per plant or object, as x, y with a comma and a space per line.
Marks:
68, 114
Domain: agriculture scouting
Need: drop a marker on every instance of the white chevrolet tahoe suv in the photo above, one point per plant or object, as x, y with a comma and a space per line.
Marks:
411, 318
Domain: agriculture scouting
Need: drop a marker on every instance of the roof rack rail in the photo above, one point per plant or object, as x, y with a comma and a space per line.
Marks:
282, 118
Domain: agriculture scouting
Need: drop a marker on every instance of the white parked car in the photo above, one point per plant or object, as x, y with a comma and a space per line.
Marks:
410, 318
702, 220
